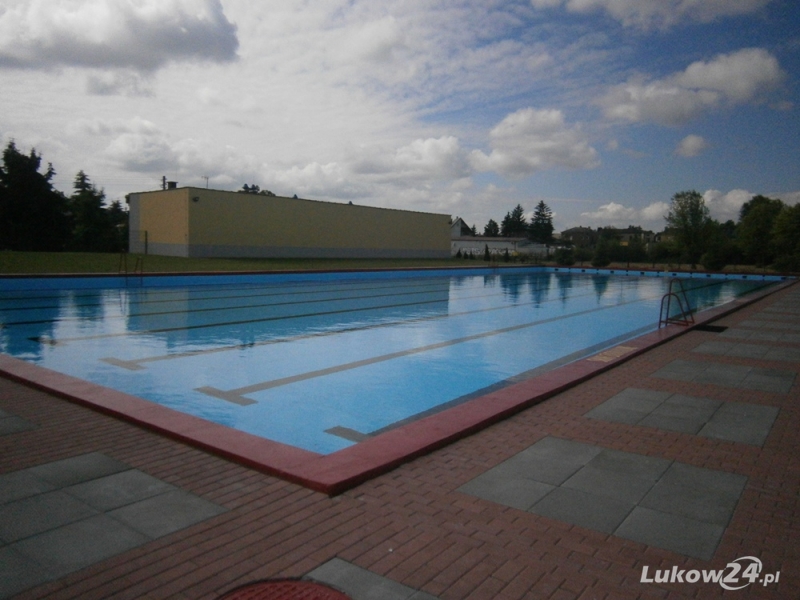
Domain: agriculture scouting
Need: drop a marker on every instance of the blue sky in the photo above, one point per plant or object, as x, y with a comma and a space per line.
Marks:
602, 108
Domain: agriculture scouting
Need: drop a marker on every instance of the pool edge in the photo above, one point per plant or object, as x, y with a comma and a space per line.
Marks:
337, 472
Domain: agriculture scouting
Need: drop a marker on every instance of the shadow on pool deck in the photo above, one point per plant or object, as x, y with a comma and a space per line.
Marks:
683, 456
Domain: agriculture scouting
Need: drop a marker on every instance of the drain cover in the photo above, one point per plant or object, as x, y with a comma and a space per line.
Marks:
711, 328
284, 589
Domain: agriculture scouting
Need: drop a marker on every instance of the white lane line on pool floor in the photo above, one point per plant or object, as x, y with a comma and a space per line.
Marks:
137, 364
236, 395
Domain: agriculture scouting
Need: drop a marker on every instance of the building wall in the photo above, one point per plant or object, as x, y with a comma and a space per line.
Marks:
231, 224
159, 222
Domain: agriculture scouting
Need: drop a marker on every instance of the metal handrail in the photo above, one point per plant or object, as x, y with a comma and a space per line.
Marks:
685, 316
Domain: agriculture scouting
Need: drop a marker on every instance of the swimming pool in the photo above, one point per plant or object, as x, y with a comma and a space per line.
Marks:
322, 362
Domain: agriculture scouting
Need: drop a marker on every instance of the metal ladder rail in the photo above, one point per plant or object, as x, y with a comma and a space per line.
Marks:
138, 268
685, 316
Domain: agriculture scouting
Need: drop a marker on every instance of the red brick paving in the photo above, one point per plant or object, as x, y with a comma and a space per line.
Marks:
412, 525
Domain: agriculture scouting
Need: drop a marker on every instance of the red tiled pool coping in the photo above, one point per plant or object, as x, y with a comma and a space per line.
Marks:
334, 473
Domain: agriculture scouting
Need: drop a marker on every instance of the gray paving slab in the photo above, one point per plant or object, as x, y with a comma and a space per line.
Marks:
71, 547
166, 513
740, 422
629, 463
35, 514
761, 323
77, 469
783, 354
552, 460
119, 489
507, 488
604, 412
361, 584
584, 509
18, 573
707, 505
648, 499
744, 350
11, 424
682, 474
738, 333
623, 487
686, 414
671, 532
55, 518
769, 380
737, 376
670, 423
21, 484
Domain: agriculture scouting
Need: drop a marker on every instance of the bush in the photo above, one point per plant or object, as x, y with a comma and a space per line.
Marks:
786, 264
564, 257
602, 256
713, 261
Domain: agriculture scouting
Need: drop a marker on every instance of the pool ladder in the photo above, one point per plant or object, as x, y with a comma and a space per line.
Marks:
138, 268
677, 295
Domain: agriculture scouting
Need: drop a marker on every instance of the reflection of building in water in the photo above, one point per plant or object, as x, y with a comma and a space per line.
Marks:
245, 315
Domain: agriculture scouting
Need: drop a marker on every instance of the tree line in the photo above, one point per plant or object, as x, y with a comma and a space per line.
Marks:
516, 225
767, 233
34, 216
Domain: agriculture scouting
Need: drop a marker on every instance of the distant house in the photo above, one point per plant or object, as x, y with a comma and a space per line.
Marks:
626, 236
459, 229
579, 236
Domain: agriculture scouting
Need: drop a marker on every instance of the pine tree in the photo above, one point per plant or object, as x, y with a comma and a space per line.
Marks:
92, 229
33, 215
541, 227
514, 223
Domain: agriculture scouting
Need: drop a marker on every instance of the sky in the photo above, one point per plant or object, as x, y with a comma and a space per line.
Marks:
603, 109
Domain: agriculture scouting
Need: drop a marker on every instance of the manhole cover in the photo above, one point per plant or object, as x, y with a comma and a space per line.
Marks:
285, 589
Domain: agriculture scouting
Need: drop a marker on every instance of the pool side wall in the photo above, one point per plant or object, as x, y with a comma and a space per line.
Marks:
335, 473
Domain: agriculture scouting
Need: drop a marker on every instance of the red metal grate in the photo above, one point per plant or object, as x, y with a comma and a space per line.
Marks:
284, 589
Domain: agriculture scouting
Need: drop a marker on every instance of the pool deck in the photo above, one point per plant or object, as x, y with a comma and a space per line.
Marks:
680, 458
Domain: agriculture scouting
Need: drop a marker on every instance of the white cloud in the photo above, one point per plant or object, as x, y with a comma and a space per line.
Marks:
691, 145
141, 147
736, 78
531, 140
614, 214
119, 82
648, 14
423, 159
725, 206
137, 34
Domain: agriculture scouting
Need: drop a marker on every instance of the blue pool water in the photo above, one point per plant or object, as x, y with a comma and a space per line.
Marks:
317, 361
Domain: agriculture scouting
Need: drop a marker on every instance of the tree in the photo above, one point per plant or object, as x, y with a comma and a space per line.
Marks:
492, 229
514, 223
754, 232
786, 238
255, 189
474, 231
689, 217
92, 229
33, 215
541, 228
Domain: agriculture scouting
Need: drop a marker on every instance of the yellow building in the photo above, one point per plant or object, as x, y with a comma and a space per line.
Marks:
198, 222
